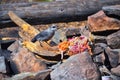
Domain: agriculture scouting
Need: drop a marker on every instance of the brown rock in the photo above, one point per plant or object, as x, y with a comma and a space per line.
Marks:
25, 61
14, 47
77, 67
100, 22
113, 40
116, 70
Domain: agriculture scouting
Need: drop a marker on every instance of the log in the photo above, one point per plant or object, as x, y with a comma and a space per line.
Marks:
49, 12
112, 11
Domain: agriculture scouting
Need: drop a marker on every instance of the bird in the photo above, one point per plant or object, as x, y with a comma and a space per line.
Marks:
45, 35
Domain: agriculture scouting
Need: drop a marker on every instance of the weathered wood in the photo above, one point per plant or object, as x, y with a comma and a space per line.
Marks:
48, 12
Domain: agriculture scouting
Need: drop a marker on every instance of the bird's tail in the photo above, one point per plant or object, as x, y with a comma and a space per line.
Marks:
33, 40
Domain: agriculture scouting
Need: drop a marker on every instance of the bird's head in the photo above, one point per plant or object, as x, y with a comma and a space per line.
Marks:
53, 27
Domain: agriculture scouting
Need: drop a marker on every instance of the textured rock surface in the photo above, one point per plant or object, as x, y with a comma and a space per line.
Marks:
99, 58
100, 22
113, 40
99, 48
72, 31
14, 47
2, 64
59, 35
113, 56
116, 70
2, 76
77, 67
25, 61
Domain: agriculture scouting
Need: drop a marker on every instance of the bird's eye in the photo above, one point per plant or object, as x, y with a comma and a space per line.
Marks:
54, 27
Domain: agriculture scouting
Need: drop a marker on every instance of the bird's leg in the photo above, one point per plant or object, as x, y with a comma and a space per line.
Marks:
62, 55
40, 44
47, 42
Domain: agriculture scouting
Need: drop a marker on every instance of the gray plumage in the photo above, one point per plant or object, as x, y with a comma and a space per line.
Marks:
46, 34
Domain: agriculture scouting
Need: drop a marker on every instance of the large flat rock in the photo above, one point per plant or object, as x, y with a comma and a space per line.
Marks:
77, 67
101, 22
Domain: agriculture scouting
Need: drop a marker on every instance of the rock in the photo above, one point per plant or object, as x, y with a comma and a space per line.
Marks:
113, 56
114, 77
42, 75
6, 54
2, 65
98, 53
25, 61
6, 43
118, 50
113, 10
77, 67
100, 22
116, 70
2, 76
99, 58
59, 36
14, 47
70, 32
113, 40
100, 39
99, 48
21, 76
83, 30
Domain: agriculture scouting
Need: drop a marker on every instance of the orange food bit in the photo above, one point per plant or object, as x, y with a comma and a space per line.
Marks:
63, 46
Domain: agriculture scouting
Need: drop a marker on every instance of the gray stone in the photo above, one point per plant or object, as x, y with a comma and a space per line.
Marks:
2, 64
77, 67
99, 48
99, 58
3, 76
40, 75
5, 53
113, 40
100, 39
114, 77
59, 35
116, 70
73, 31
113, 56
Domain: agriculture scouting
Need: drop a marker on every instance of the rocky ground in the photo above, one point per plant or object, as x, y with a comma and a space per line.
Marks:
19, 62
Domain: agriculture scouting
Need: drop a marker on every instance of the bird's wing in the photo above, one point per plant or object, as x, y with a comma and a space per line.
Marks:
42, 35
